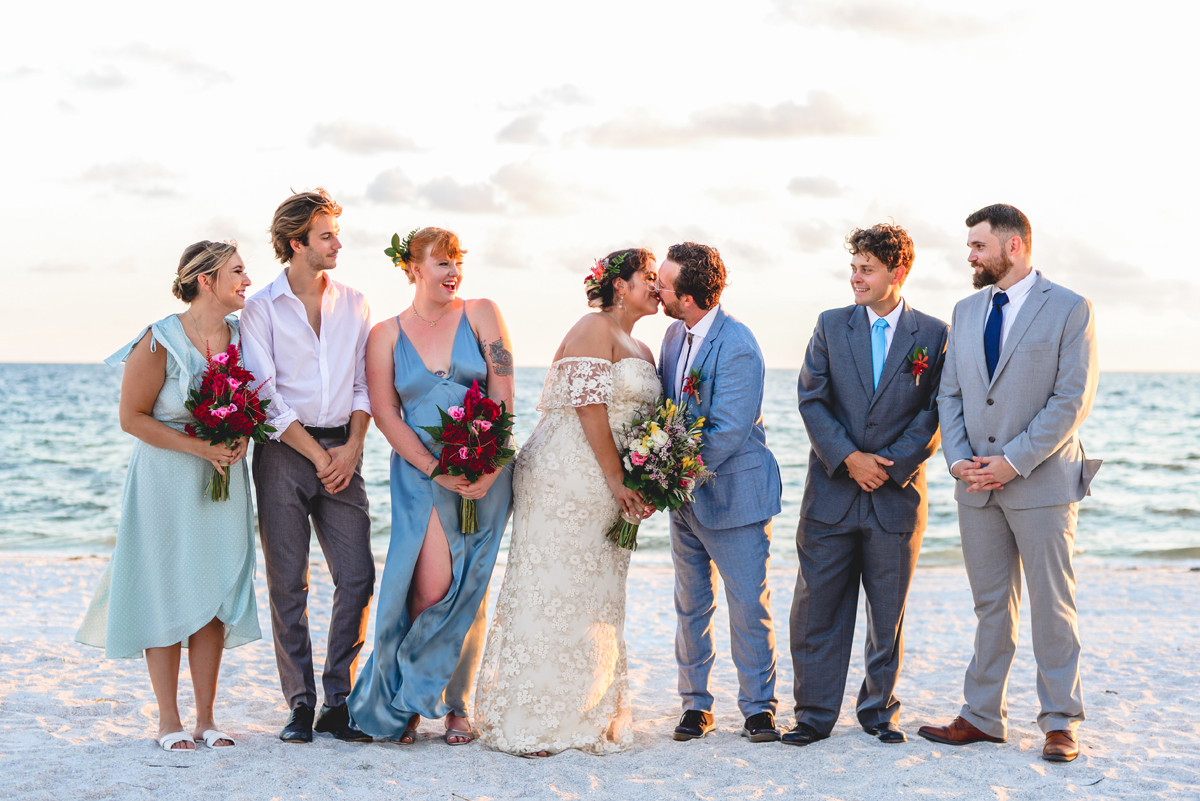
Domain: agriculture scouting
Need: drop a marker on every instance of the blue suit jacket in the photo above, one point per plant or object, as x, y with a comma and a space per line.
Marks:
844, 412
746, 488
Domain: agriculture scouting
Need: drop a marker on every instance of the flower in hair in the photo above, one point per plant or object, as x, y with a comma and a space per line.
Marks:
603, 268
399, 252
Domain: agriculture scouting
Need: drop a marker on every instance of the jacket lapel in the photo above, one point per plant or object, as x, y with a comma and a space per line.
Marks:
671, 360
1029, 309
973, 325
902, 345
707, 343
858, 335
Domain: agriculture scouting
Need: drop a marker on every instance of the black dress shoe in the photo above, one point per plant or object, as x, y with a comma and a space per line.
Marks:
760, 728
694, 724
299, 726
888, 733
802, 734
335, 720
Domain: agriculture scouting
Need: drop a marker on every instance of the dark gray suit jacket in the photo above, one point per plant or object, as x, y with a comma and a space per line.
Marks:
844, 413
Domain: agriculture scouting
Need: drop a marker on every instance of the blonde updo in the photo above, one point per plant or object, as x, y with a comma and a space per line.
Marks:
438, 241
202, 258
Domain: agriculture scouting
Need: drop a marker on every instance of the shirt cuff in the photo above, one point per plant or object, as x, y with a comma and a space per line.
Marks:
282, 422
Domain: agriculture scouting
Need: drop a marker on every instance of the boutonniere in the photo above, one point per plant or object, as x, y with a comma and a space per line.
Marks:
918, 363
691, 385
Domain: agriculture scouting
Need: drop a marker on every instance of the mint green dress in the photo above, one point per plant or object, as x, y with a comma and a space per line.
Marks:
180, 559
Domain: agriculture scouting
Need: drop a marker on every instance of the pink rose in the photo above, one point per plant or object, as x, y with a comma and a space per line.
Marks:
233, 383
464, 453
637, 458
457, 412
482, 425
221, 358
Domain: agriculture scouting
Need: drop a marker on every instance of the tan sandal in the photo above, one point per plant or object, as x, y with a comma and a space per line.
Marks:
469, 734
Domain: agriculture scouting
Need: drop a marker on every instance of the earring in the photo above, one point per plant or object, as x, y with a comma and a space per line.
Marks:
620, 301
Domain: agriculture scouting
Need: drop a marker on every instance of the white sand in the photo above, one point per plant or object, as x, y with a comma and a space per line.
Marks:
73, 725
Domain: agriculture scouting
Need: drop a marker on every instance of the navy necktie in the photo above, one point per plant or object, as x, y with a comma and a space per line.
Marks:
991, 332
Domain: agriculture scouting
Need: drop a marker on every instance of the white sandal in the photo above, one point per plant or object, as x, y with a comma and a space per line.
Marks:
212, 736
168, 742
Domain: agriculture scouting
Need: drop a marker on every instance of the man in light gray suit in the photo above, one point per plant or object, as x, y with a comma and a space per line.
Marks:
868, 396
1020, 378
711, 364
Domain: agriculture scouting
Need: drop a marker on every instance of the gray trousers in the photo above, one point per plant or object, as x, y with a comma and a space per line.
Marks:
833, 560
289, 494
997, 542
741, 555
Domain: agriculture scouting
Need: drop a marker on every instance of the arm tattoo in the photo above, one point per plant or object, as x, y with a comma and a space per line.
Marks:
502, 360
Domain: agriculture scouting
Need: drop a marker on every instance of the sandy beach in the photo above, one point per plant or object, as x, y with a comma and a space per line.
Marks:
73, 725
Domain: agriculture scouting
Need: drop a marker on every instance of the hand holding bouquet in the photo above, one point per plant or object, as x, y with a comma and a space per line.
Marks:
224, 409
661, 456
474, 439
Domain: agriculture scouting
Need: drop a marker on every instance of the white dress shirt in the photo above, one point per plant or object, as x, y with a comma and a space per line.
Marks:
319, 381
1016, 299
892, 319
686, 359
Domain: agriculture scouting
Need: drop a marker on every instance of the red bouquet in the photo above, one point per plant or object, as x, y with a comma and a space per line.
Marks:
224, 409
474, 439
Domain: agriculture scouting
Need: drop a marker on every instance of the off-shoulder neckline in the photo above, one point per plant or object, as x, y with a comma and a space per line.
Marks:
557, 362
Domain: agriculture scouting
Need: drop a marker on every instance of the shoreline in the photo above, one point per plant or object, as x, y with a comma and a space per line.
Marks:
74, 725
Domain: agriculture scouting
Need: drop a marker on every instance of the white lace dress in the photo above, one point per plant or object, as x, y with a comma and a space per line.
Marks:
553, 675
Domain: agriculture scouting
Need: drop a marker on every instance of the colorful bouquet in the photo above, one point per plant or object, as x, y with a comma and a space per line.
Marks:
224, 409
474, 439
661, 455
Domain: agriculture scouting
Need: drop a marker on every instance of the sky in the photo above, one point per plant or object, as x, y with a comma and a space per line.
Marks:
548, 134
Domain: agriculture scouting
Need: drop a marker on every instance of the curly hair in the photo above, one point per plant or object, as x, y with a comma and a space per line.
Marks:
634, 261
889, 243
1007, 219
701, 273
294, 217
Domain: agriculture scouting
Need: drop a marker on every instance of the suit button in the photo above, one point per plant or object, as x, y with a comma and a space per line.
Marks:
991, 402
991, 439
870, 425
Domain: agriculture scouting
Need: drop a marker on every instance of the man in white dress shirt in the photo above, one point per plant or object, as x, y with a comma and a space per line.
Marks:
305, 338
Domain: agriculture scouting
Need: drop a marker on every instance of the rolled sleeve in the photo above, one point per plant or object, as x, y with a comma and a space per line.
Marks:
361, 401
256, 353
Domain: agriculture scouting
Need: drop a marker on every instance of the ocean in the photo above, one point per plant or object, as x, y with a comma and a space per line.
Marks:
63, 458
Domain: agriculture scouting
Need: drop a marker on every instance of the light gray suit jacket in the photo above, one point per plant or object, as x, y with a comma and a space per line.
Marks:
747, 487
1030, 411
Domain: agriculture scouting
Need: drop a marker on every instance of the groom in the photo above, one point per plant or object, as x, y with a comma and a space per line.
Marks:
711, 363
1020, 378
868, 396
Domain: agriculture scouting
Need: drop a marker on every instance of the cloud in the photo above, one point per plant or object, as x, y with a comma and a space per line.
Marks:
822, 115
59, 267
179, 61
102, 79
893, 19
524, 130
815, 236
534, 186
551, 97
359, 138
18, 73
447, 193
133, 177
1111, 281
392, 186
815, 186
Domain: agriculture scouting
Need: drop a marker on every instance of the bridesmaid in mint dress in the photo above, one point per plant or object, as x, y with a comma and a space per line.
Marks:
182, 572
432, 600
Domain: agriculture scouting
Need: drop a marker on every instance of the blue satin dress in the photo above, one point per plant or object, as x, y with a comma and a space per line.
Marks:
413, 660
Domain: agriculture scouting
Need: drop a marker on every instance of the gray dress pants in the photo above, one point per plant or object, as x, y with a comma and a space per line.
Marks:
289, 495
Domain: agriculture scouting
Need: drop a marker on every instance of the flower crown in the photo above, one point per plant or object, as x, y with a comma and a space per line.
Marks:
399, 251
604, 268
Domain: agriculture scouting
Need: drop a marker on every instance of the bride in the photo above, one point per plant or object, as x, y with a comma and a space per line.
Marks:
553, 673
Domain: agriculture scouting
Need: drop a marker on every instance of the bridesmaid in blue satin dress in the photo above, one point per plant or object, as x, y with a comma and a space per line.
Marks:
432, 605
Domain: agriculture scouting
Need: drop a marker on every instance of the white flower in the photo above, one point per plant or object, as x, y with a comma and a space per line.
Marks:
642, 450
660, 437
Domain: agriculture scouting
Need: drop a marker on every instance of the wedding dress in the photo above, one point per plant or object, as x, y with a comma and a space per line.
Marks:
553, 675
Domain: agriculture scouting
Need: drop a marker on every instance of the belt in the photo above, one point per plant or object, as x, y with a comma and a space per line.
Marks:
337, 432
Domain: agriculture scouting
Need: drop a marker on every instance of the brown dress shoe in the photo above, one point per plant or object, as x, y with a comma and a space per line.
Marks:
1061, 746
960, 732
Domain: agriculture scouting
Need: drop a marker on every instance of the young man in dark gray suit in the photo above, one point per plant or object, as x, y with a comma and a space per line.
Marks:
868, 395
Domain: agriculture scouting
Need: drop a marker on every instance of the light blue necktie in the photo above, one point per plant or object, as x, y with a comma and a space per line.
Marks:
878, 348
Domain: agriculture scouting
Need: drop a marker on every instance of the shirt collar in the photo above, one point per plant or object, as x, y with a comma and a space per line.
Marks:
1018, 290
704, 324
281, 286
893, 318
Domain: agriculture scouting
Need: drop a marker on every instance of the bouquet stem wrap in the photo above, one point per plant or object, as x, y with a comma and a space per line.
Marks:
468, 516
624, 532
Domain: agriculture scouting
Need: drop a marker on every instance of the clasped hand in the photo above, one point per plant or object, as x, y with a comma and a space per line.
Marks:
336, 475
867, 469
984, 473
467, 489
222, 456
633, 505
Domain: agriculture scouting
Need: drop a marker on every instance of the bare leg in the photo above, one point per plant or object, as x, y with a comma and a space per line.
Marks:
163, 664
204, 659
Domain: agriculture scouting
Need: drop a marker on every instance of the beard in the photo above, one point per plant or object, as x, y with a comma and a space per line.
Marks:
992, 271
671, 309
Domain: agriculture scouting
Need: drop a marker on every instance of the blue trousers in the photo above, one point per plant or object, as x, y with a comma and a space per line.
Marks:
741, 556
